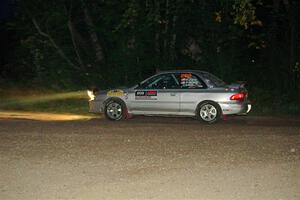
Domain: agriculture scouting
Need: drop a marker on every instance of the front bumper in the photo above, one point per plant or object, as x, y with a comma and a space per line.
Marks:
96, 106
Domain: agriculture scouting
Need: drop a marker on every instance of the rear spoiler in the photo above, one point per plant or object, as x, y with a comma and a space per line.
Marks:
238, 85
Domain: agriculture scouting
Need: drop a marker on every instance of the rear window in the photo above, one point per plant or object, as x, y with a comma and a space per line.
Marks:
212, 80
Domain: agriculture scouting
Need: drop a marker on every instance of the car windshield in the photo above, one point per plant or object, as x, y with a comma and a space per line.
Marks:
211, 79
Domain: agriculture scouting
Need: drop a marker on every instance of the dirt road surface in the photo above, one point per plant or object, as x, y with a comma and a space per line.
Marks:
242, 158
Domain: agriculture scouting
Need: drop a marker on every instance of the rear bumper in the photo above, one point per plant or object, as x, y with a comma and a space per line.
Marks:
232, 108
249, 107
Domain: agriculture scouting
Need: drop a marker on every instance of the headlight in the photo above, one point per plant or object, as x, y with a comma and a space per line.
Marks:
91, 95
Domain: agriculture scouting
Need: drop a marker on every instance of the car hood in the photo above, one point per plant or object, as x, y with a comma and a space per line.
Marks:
114, 90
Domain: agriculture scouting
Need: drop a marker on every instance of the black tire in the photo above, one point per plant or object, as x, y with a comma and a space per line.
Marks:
208, 112
115, 110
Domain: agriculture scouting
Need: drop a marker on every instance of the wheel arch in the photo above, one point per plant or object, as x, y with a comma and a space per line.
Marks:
114, 99
208, 101
125, 114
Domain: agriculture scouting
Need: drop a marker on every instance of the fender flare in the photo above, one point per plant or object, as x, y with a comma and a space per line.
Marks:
127, 114
209, 101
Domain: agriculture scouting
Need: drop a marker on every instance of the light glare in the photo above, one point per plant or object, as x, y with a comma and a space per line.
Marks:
91, 95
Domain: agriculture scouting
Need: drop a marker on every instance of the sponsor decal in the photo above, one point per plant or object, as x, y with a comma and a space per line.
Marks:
115, 93
151, 93
140, 93
146, 95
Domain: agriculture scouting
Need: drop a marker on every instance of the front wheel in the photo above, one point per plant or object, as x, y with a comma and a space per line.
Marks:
115, 110
208, 112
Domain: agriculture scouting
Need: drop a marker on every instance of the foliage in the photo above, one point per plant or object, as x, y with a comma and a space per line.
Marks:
45, 101
73, 44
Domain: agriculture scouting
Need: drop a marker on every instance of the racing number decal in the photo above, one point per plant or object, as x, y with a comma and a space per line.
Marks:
146, 95
187, 75
188, 81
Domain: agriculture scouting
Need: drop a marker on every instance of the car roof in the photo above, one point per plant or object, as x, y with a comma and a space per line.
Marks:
182, 71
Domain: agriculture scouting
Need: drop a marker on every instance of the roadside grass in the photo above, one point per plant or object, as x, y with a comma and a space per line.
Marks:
274, 103
292, 110
45, 101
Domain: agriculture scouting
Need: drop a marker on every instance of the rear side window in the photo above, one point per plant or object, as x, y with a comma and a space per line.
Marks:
190, 81
212, 80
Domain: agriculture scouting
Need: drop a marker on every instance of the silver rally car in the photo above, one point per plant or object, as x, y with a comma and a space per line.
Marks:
180, 92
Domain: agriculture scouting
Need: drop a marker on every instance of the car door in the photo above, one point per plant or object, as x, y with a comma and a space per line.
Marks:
193, 90
157, 95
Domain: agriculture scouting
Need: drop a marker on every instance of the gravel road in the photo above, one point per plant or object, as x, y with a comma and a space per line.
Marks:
242, 158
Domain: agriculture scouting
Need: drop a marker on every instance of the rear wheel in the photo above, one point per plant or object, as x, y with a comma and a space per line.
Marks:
115, 110
208, 112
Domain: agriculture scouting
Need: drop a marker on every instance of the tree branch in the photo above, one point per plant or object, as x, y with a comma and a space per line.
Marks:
53, 43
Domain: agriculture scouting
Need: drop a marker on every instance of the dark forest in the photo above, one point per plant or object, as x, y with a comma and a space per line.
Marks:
77, 44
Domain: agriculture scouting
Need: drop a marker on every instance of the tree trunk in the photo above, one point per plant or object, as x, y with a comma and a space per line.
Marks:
273, 57
76, 49
166, 30
93, 34
157, 46
157, 36
292, 40
292, 51
72, 33
173, 39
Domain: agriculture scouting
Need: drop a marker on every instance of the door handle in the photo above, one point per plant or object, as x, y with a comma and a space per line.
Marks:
173, 94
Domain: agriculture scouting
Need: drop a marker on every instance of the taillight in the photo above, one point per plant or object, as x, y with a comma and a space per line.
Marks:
239, 96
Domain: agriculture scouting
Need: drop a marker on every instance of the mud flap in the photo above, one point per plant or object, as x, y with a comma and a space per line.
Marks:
127, 115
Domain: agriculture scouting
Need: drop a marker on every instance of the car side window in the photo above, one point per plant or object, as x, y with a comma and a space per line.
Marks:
190, 81
163, 81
